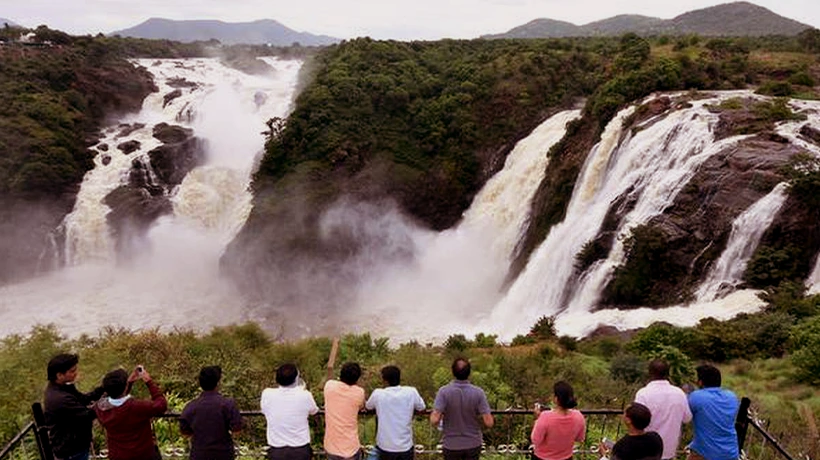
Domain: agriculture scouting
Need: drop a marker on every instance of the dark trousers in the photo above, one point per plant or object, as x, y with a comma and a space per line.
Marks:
462, 454
357, 456
406, 455
290, 453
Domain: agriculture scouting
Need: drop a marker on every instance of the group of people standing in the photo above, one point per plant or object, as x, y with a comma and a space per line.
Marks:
460, 411
653, 421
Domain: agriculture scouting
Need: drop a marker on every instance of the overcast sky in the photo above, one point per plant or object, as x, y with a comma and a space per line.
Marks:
407, 19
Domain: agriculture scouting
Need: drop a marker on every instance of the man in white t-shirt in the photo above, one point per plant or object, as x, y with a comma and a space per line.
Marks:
286, 410
668, 405
394, 405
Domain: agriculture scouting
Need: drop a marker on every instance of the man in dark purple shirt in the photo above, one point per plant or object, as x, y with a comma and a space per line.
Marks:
458, 406
211, 419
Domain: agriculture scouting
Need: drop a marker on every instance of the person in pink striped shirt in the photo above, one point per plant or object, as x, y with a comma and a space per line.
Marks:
556, 431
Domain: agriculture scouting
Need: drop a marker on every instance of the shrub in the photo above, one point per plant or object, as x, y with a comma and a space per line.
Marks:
544, 328
776, 88
805, 346
627, 367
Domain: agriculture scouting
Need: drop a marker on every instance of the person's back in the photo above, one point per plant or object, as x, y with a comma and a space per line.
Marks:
638, 444
286, 409
66, 409
395, 406
556, 431
127, 421
458, 406
668, 405
343, 401
210, 420
713, 415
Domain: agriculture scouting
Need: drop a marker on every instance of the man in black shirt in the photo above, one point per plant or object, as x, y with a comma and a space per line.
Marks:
211, 419
66, 410
637, 444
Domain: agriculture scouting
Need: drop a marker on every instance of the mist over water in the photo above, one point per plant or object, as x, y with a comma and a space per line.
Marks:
173, 279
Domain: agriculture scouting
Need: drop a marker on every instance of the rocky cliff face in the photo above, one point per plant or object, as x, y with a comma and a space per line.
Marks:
146, 196
98, 91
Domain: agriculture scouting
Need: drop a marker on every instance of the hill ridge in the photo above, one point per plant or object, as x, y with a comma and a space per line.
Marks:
260, 31
728, 19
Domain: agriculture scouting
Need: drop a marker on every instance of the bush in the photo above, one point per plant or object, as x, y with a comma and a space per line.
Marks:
776, 88
805, 346
544, 328
627, 367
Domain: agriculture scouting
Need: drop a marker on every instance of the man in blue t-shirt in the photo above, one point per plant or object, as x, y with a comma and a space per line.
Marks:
713, 416
459, 405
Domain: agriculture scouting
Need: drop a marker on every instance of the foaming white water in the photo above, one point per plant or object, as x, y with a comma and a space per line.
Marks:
579, 324
174, 282
747, 229
650, 166
446, 277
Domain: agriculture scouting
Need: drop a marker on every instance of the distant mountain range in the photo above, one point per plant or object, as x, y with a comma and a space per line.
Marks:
265, 31
729, 19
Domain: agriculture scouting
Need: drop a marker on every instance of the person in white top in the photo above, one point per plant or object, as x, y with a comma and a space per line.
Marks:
668, 405
286, 410
394, 405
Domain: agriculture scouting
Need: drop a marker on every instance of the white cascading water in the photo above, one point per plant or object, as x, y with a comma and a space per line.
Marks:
747, 230
458, 273
651, 165
174, 282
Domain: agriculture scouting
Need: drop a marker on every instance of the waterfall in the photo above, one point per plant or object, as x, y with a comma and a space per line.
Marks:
651, 166
747, 229
173, 281
458, 273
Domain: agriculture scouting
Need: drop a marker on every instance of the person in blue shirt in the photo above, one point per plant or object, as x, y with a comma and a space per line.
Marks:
714, 410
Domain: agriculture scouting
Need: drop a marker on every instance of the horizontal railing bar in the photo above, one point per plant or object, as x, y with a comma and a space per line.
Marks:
428, 411
13, 443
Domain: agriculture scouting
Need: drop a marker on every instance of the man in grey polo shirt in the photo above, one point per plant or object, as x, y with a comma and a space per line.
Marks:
459, 405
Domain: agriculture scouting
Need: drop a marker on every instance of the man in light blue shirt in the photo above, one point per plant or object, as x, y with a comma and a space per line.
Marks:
713, 415
394, 405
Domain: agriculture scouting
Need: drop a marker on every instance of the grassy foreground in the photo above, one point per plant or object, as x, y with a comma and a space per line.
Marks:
605, 371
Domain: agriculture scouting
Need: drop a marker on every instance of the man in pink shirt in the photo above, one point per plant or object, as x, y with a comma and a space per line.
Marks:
343, 401
668, 405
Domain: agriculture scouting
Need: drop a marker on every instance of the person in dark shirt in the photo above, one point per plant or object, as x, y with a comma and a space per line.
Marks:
67, 411
637, 444
210, 419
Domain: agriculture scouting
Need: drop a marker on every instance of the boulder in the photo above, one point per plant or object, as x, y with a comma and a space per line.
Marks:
170, 97
129, 147
171, 134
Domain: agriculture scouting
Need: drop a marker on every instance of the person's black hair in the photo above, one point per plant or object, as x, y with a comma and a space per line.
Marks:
286, 374
708, 375
564, 394
61, 364
461, 369
639, 415
115, 383
209, 377
658, 369
391, 375
350, 373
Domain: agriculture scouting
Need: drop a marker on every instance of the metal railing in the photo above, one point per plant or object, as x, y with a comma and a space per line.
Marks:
508, 438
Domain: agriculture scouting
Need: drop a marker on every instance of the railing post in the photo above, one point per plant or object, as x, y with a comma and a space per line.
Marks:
41, 432
742, 421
